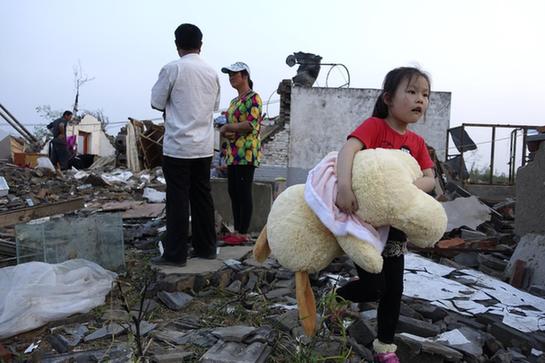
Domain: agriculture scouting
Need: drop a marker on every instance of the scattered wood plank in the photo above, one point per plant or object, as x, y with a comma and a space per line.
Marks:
519, 272
135, 209
26, 214
7, 248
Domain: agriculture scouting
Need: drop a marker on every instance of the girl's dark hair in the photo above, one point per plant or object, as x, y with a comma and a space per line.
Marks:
392, 80
250, 82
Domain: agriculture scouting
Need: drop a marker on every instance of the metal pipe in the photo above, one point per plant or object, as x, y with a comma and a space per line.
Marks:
446, 149
20, 128
512, 155
461, 165
499, 125
492, 149
12, 123
524, 135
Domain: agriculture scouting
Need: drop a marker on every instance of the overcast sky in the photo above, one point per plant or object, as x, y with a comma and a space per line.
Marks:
489, 54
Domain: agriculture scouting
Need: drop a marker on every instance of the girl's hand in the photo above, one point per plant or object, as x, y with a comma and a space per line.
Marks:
231, 136
224, 129
226, 132
346, 201
426, 182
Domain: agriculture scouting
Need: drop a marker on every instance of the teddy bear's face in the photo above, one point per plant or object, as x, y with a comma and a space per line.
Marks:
383, 182
297, 238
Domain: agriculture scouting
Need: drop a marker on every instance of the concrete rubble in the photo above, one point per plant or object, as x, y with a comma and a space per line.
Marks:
468, 299
457, 315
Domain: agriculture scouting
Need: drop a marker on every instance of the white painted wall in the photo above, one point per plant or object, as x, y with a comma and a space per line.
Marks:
322, 118
5, 147
99, 143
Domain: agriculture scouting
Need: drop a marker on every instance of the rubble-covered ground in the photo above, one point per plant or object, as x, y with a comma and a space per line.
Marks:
243, 311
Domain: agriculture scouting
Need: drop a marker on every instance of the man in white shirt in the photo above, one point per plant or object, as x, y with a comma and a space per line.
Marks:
188, 93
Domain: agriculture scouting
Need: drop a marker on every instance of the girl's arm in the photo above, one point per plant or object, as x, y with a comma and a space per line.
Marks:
240, 127
346, 200
427, 182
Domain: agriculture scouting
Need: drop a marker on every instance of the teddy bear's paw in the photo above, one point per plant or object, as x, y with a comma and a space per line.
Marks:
427, 225
362, 253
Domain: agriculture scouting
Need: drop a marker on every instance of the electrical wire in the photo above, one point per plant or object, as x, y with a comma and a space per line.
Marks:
109, 124
269, 102
337, 67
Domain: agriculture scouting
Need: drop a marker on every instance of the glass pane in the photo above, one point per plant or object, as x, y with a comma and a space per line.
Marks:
97, 238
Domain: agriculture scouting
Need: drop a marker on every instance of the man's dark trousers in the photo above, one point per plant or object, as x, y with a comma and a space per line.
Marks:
188, 184
59, 153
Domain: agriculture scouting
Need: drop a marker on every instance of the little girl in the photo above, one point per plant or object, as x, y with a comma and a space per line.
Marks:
403, 101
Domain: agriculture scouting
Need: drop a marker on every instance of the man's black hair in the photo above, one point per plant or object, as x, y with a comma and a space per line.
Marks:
67, 113
188, 37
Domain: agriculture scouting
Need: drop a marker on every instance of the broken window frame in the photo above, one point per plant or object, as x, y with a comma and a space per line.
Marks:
512, 152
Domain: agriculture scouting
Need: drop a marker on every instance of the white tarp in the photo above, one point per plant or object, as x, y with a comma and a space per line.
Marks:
154, 196
117, 176
35, 293
45, 163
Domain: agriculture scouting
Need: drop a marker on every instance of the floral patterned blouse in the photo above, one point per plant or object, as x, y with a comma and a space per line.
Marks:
245, 149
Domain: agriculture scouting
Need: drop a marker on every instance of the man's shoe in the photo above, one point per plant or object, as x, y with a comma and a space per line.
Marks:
160, 260
210, 256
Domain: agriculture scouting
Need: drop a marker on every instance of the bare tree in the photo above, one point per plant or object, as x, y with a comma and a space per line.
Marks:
79, 80
47, 113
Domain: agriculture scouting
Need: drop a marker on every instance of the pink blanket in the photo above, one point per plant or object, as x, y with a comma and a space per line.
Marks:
320, 195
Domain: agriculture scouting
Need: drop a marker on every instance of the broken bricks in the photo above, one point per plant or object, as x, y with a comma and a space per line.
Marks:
174, 300
229, 352
261, 282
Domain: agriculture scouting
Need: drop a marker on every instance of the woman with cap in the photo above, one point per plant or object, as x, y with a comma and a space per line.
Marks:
242, 148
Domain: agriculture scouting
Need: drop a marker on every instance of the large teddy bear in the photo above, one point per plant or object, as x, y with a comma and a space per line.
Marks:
382, 181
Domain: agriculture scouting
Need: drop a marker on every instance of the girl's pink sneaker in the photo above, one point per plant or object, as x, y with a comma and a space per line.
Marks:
390, 357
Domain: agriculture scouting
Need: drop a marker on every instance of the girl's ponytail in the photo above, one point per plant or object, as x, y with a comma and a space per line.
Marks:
381, 108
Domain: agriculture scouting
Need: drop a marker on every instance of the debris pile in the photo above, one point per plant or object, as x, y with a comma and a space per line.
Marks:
37, 193
462, 304
247, 311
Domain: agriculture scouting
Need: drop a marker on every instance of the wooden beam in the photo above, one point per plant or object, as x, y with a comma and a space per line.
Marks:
26, 214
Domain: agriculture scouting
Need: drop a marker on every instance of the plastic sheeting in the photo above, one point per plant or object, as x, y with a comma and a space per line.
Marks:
45, 163
35, 293
154, 196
